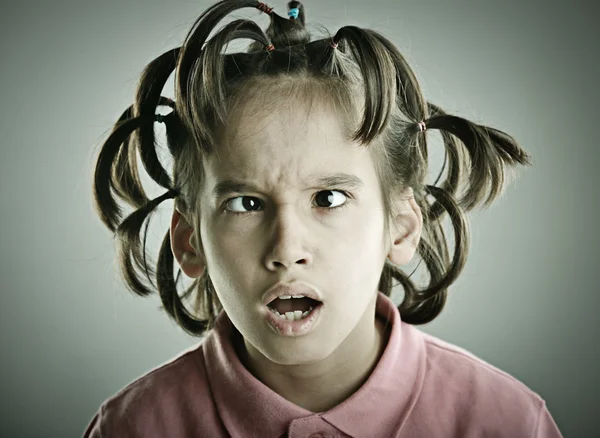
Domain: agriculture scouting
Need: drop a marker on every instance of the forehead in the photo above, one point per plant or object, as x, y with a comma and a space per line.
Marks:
287, 106
287, 137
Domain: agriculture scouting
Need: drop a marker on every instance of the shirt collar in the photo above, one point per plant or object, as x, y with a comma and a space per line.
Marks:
249, 407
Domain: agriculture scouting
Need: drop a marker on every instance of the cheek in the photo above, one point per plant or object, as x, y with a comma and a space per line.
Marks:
369, 246
235, 245
363, 230
228, 244
352, 252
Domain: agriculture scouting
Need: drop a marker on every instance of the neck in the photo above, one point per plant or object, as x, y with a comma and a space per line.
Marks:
319, 386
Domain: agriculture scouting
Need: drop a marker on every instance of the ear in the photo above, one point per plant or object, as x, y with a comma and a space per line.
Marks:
405, 230
192, 264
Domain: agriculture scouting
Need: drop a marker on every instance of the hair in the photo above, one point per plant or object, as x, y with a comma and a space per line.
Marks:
357, 71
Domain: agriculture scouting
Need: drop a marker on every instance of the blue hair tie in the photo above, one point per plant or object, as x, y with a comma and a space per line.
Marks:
294, 12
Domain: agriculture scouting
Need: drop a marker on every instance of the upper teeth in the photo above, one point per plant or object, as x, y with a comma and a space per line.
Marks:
287, 297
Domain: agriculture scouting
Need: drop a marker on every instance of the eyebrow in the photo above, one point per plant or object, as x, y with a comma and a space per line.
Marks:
342, 180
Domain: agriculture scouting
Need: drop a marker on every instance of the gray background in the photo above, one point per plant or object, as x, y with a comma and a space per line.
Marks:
72, 335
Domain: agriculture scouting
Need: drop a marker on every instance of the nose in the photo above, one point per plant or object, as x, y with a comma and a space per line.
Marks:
288, 241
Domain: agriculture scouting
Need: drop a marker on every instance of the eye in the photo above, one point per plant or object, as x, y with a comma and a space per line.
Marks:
247, 202
329, 198
251, 203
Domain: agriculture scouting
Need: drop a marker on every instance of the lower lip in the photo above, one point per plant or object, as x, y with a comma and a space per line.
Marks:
294, 328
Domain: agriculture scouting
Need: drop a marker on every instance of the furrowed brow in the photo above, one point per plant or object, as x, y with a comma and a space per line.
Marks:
342, 180
229, 186
351, 182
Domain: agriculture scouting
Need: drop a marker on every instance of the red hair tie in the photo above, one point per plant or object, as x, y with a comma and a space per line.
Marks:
266, 9
333, 44
270, 48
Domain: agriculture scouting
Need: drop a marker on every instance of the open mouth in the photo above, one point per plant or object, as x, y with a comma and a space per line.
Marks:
293, 309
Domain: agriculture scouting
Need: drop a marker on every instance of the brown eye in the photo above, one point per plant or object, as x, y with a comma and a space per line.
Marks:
328, 197
248, 202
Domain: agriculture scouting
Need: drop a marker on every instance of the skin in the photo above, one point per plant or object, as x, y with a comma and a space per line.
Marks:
289, 234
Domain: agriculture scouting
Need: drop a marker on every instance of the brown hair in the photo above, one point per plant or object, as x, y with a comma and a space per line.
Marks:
363, 73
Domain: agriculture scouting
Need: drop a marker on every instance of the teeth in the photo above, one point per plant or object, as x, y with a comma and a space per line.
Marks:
292, 316
287, 297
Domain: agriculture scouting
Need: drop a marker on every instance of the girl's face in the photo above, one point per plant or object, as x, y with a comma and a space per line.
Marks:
286, 227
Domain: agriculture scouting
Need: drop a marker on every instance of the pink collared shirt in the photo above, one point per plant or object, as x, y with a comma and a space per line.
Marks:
422, 387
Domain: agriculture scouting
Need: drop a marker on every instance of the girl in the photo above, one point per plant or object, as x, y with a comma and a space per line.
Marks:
292, 288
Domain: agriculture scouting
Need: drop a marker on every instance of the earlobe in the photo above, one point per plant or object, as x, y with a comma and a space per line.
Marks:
191, 262
405, 232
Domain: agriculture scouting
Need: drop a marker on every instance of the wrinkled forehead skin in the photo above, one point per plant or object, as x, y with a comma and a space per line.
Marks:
289, 102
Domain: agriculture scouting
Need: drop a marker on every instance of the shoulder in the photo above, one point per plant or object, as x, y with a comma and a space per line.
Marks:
475, 395
166, 395
444, 358
175, 376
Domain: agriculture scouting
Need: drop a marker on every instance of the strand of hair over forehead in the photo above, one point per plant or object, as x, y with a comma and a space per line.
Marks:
198, 72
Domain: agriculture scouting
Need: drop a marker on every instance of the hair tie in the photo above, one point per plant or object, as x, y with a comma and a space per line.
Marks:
168, 101
333, 44
293, 13
422, 126
171, 194
264, 8
270, 48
